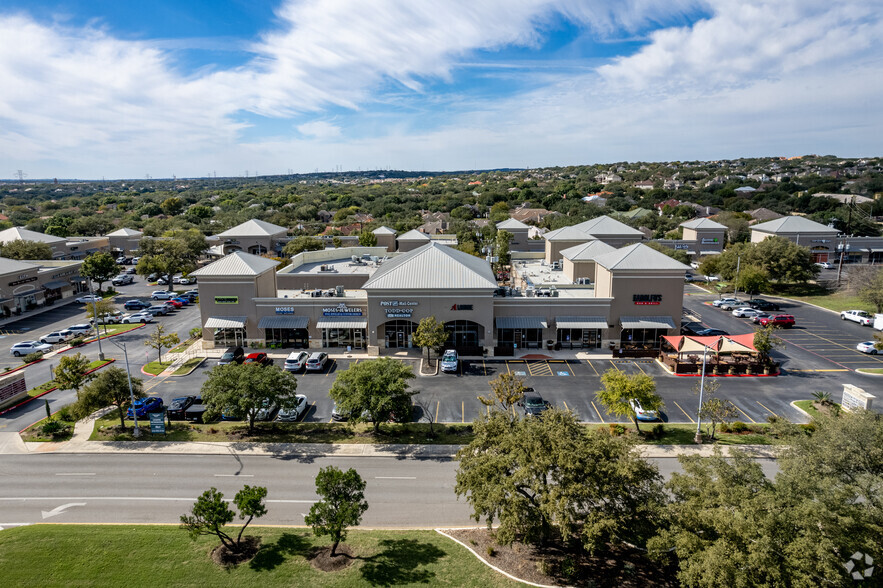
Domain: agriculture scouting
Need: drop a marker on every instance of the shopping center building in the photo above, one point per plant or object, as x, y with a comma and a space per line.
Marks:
371, 298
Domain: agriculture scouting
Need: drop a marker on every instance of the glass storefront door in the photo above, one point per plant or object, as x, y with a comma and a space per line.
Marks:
230, 337
579, 338
398, 334
288, 338
354, 338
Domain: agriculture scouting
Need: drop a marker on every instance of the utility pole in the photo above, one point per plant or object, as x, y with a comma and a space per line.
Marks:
21, 176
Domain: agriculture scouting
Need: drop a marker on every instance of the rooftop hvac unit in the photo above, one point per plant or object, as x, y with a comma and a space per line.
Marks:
339, 290
367, 256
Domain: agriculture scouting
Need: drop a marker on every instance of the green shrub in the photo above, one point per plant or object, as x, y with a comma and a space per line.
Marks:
616, 429
568, 568
809, 428
77, 341
739, 427
32, 357
54, 428
491, 552
725, 428
66, 413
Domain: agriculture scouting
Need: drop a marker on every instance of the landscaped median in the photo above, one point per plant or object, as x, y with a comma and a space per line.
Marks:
155, 368
382, 558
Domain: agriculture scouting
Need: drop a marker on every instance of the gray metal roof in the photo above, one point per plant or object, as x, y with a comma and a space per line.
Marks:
413, 235
581, 322
225, 322
512, 223
433, 266
521, 322
604, 226
639, 257
587, 251
125, 232
342, 322
22, 234
567, 234
384, 231
253, 228
237, 264
702, 223
283, 322
791, 224
13, 265
647, 322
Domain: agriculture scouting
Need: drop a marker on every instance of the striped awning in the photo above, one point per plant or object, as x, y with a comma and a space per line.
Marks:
647, 322
226, 322
521, 322
342, 322
283, 322
581, 322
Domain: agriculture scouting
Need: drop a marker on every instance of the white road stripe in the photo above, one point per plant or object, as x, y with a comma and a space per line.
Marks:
77, 474
395, 477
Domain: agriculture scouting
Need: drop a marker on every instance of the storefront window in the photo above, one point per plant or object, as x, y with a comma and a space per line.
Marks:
641, 338
465, 337
579, 338
354, 338
398, 334
288, 338
229, 337
520, 338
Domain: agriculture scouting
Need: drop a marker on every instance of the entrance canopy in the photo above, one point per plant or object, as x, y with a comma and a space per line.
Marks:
342, 322
521, 322
283, 322
581, 322
226, 322
647, 322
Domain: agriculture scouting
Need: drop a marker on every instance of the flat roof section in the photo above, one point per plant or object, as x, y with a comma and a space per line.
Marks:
337, 266
301, 294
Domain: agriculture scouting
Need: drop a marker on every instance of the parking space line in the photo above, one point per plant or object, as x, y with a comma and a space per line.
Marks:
765, 408
565, 405
437, 404
684, 411
330, 367
484, 366
593, 367
463, 412
615, 366
639, 367
598, 412
746, 415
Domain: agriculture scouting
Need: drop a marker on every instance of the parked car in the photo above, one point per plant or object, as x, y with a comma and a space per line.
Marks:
744, 312
178, 407
760, 315
296, 361
266, 412
717, 303
867, 347
764, 305
232, 355
136, 305
712, 333
712, 278
338, 414
57, 337
122, 280
135, 260
131, 271
27, 347
259, 358
88, 298
688, 277
182, 280
144, 405
691, 328
825, 265
730, 305
174, 302
694, 265
316, 362
857, 316
182, 300
158, 309
640, 413
785, 321
137, 317
80, 329
450, 361
152, 277
163, 281
162, 295
288, 415
109, 318
533, 404
194, 412
231, 413
121, 259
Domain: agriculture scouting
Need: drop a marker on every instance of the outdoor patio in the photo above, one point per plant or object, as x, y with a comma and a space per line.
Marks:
728, 355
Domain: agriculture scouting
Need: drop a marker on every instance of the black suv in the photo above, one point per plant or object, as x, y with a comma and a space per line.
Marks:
194, 412
178, 407
232, 355
761, 304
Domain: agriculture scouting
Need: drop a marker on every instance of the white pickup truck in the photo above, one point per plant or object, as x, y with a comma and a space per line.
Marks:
857, 316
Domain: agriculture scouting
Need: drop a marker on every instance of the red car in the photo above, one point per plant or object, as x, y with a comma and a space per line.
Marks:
785, 321
258, 359
174, 303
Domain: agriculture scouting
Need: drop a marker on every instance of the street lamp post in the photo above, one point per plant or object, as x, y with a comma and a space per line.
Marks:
136, 432
844, 248
736, 281
95, 319
698, 438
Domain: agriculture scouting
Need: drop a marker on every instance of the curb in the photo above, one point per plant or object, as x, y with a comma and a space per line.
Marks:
22, 366
428, 375
142, 325
859, 371
202, 361
53, 389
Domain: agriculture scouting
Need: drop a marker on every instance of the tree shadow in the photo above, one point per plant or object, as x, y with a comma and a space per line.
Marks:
401, 562
273, 555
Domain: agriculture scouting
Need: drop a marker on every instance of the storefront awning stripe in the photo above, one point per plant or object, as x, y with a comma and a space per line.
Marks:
874, 250
647, 322
283, 322
226, 322
521, 322
342, 322
581, 322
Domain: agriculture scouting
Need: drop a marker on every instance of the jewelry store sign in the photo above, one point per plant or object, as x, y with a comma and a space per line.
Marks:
398, 309
341, 310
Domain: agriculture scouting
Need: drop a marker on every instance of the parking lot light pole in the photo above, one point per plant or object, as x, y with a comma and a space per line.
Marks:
136, 432
95, 319
698, 438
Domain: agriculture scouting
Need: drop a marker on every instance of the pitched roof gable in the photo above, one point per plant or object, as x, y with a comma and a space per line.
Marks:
433, 267
639, 257
238, 263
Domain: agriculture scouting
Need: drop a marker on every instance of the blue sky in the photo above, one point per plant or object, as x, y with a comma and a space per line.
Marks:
100, 88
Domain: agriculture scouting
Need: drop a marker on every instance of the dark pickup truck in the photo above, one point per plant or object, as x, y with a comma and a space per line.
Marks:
194, 412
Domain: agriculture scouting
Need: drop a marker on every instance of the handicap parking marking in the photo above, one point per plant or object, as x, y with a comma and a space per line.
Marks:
563, 363
519, 373
560, 373
538, 368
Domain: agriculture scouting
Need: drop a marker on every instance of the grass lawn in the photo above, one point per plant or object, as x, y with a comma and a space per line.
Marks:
683, 434
182, 346
49, 385
870, 370
109, 555
188, 366
814, 294
156, 368
116, 329
807, 406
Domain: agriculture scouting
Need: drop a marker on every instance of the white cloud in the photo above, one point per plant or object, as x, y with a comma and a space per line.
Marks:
319, 129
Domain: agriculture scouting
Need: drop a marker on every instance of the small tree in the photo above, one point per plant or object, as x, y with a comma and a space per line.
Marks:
715, 411
507, 391
342, 504
160, 340
753, 279
20, 249
367, 239
104, 307
195, 332
619, 389
110, 388
71, 372
302, 243
377, 388
247, 389
430, 334
765, 341
210, 513
99, 267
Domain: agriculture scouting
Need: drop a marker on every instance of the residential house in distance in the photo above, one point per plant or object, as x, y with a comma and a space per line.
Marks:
644, 185
763, 215
530, 215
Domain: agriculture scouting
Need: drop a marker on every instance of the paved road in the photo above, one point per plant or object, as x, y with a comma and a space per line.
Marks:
158, 489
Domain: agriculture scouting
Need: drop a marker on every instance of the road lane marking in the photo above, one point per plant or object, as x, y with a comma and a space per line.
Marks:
59, 509
395, 477
437, 403
685, 412
597, 411
234, 475
746, 414
565, 405
76, 474
771, 412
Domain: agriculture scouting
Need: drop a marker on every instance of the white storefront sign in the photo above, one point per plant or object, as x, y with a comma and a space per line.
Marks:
398, 309
855, 398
